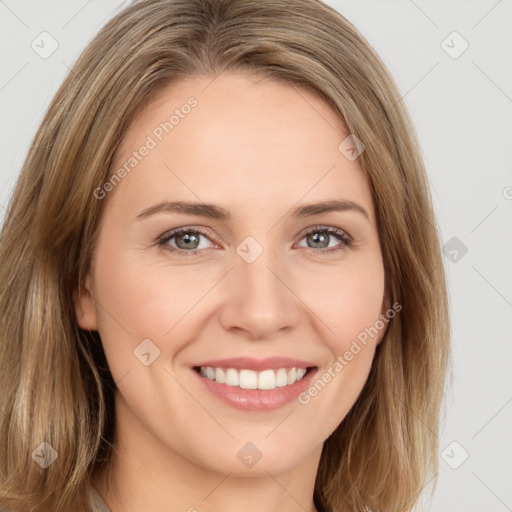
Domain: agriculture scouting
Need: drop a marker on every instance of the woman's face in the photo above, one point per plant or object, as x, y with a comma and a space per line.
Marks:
258, 281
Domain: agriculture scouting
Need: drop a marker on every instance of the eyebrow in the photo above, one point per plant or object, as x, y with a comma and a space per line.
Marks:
216, 212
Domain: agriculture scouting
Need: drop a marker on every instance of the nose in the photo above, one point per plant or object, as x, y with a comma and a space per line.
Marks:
260, 301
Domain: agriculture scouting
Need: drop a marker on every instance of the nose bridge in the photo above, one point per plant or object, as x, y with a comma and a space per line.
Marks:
259, 278
260, 301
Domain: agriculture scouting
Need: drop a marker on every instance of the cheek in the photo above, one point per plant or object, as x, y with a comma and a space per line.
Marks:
347, 299
144, 298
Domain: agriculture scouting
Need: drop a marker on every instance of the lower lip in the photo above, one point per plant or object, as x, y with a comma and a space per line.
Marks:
257, 399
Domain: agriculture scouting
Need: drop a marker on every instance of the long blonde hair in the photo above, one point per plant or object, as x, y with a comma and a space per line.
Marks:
54, 380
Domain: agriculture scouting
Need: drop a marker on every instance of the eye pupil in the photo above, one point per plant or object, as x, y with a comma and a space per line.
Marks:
319, 239
188, 238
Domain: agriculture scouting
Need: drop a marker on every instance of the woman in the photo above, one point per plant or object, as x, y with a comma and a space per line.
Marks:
222, 274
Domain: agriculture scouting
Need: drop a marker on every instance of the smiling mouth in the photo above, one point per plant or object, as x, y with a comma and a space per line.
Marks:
250, 379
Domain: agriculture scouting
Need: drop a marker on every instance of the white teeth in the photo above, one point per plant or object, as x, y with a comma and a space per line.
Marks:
300, 373
231, 377
249, 379
219, 375
267, 380
281, 378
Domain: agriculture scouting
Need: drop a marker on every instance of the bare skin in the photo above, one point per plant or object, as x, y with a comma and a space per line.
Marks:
258, 148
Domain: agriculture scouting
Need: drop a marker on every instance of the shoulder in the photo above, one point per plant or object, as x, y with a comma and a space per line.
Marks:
98, 505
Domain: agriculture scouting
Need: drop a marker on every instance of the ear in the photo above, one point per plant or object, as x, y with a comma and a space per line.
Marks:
85, 306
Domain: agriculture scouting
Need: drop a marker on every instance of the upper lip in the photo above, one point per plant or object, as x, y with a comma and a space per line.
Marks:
250, 363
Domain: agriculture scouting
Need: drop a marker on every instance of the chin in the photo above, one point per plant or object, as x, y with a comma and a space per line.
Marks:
252, 457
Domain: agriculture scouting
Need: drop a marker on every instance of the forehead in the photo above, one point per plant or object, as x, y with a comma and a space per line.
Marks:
237, 139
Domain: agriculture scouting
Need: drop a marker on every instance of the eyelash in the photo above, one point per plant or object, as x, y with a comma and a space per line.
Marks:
346, 240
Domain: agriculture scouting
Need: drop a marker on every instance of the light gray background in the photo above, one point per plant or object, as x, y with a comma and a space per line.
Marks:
462, 109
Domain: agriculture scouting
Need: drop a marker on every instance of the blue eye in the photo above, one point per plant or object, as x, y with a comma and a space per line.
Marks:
190, 240
321, 236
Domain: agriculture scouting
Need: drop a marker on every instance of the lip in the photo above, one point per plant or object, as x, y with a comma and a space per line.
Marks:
256, 399
257, 365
